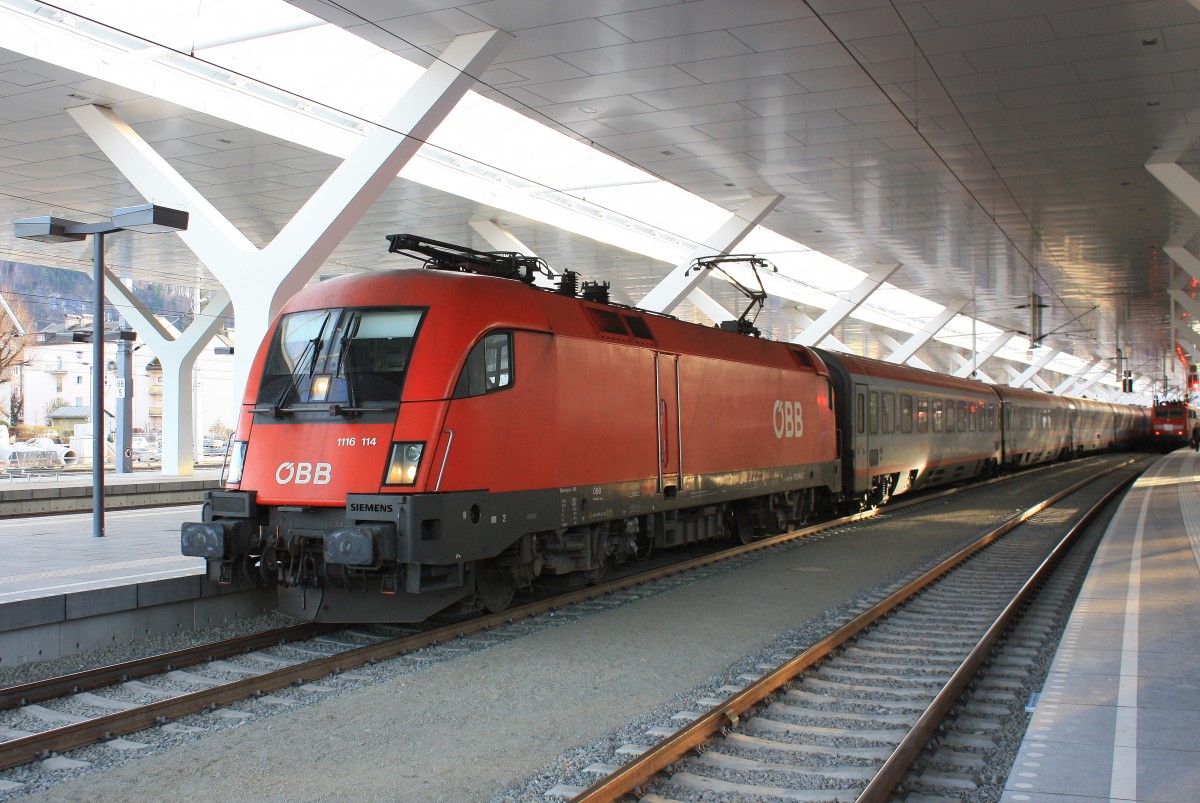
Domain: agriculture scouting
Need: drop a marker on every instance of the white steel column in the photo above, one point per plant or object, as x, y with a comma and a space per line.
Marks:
889, 342
1071, 380
1039, 383
935, 325
988, 351
1192, 348
965, 367
1184, 258
842, 309
1189, 304
1182, 184
260, 282
828, 342
177, 355
1187, 337
1087, 384
676, 285
1023, 378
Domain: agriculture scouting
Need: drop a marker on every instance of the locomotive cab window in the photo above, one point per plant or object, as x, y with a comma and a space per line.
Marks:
489, 367
351, 357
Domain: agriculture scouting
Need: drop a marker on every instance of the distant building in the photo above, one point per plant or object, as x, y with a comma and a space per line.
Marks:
59, 366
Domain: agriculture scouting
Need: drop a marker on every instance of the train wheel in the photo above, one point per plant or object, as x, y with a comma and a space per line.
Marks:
600, 573
742, 524
495, 586
602, 561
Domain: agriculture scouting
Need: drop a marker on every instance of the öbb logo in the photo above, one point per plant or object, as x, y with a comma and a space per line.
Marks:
788, 420
303, 473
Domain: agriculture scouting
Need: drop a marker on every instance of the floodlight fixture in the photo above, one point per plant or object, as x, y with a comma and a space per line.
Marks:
46, 229
150, 219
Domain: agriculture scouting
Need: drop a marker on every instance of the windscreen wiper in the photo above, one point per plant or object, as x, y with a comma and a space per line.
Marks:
277, 409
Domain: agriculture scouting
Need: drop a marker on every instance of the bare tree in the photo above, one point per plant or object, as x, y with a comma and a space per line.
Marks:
16, 333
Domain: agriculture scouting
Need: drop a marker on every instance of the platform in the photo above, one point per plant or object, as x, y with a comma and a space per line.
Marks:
65, 491
63, 591
1119, 718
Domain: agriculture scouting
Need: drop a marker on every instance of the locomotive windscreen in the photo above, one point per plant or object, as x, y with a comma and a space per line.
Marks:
349, 357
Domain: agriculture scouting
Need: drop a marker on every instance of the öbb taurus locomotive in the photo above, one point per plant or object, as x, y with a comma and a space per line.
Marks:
417, 440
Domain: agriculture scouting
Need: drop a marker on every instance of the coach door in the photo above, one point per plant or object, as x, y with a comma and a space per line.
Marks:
866, 424
670, 430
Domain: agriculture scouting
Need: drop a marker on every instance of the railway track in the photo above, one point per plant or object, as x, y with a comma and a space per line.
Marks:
845, 719
110, 702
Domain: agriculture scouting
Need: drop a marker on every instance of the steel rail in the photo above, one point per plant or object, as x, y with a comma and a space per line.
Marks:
19, 751
893, 771
643, 768
49, 688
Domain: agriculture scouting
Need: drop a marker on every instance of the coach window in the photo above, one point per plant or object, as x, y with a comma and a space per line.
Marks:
973, 416
889, 413
951, 415
922, 414
905, 413
489, 367
937, 415
873, 411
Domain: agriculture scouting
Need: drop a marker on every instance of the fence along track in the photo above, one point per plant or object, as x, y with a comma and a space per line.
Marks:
877, 746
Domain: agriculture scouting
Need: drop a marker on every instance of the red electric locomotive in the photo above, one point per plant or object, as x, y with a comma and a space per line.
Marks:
419, 439
1171, 424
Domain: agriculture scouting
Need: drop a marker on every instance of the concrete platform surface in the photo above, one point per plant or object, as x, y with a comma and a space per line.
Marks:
42, 556
1119, 718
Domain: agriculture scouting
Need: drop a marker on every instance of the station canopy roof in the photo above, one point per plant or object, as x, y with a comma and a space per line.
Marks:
996, 149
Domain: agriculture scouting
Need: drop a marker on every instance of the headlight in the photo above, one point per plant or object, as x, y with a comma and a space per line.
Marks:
237, 458
404, 463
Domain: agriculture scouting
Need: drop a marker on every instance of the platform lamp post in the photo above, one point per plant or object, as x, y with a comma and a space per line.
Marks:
148, 219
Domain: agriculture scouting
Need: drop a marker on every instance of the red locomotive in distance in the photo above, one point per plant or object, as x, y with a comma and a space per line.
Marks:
413, 441
417, 439
1171, 424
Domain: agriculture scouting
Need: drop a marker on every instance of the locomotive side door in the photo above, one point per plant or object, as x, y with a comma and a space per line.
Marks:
669, 428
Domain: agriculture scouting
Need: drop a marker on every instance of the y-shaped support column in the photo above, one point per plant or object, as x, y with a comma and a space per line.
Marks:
679, 283
1184, 334
889, 342
982, 356
260, 282
1022, 379
842, 309
905, 353
1075, 378
177, 355
828, 342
